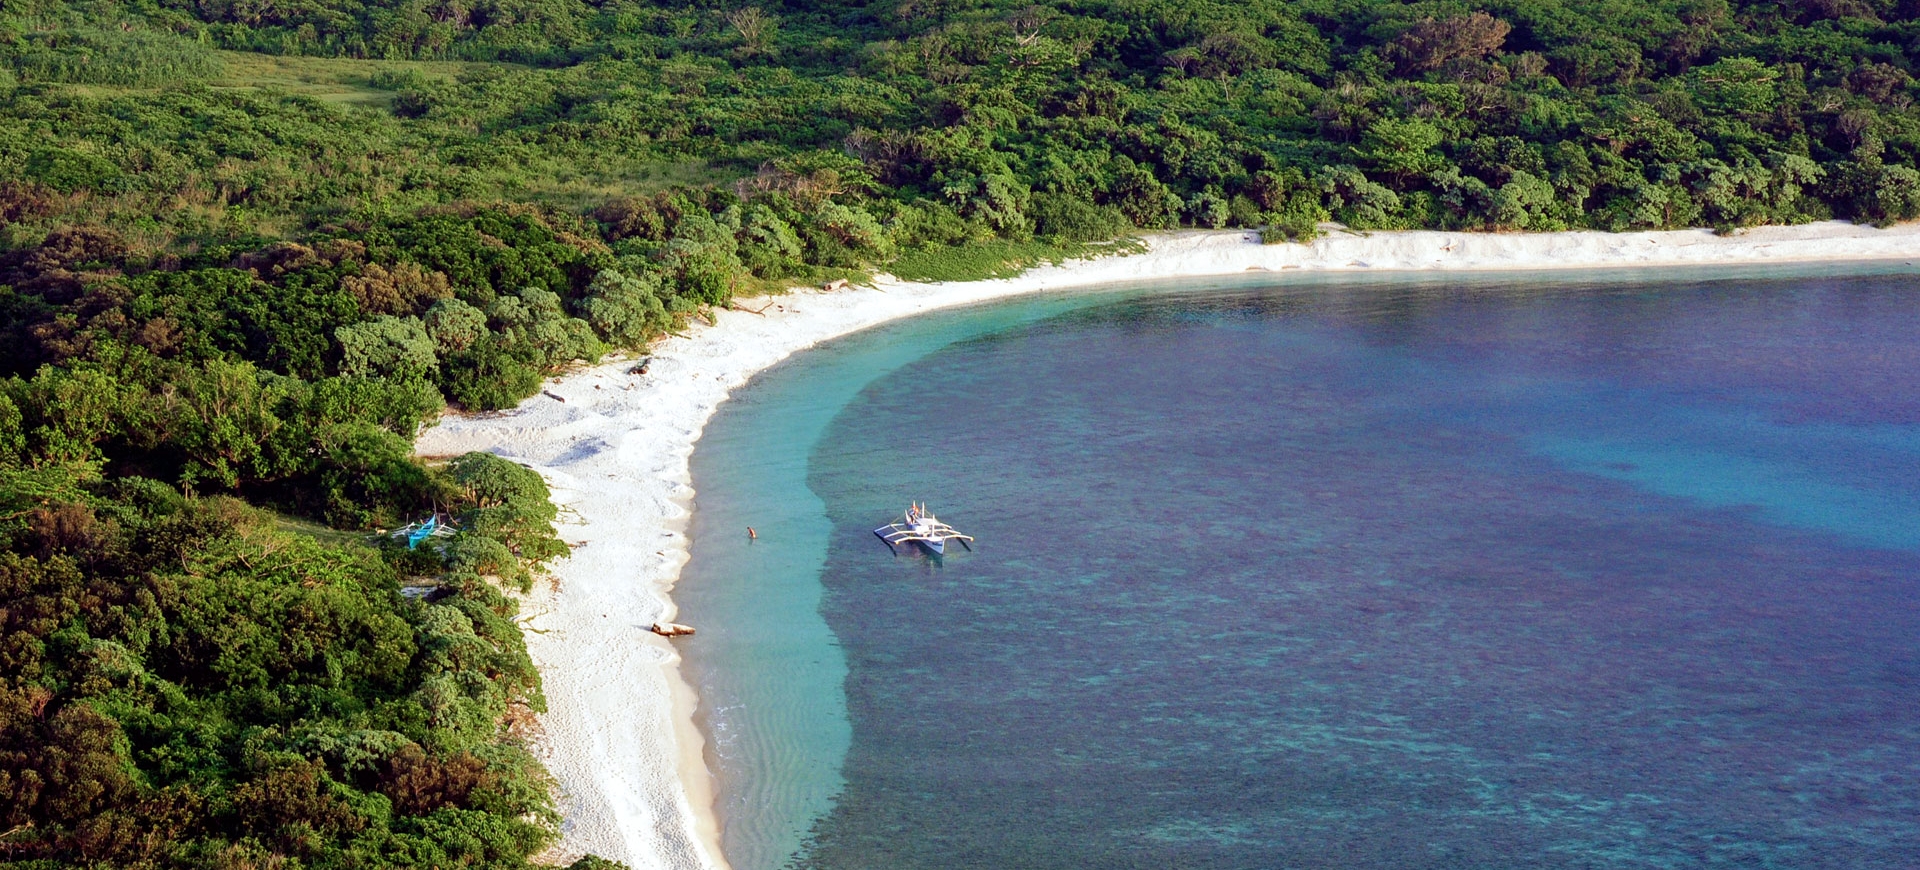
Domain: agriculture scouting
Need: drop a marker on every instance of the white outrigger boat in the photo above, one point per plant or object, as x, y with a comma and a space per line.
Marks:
923, 528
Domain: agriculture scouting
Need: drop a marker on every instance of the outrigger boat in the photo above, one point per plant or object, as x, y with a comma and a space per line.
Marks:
415, 533
923, 528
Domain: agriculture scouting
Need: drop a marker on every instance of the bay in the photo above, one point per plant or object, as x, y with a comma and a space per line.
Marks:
1520, 571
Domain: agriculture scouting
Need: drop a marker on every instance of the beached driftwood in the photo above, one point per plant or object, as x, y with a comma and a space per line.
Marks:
671, 629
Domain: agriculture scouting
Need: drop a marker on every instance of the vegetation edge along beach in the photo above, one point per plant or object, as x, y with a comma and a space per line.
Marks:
615, 446
248, 251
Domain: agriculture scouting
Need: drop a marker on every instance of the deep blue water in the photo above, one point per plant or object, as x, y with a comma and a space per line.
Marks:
1406, 574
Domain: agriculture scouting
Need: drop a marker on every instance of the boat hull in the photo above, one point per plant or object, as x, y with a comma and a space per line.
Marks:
938, 548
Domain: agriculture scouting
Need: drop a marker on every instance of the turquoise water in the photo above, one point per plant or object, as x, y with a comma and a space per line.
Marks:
1527, 572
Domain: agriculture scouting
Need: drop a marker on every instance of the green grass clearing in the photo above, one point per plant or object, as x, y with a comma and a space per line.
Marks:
1000, 259
321, 532
342, 81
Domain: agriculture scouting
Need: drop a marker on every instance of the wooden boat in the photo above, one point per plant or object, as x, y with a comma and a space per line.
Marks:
921, 527
671, 629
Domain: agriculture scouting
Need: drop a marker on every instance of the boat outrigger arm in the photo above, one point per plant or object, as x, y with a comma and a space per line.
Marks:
923, 528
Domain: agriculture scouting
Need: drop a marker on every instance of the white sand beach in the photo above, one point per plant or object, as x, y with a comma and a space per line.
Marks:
619, 732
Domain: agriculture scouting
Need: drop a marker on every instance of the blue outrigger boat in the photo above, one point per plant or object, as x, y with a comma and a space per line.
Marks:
415, 533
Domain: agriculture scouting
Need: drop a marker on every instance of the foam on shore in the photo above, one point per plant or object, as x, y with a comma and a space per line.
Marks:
619, 733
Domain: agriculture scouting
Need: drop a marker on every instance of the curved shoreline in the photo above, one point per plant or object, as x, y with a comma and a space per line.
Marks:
620, 738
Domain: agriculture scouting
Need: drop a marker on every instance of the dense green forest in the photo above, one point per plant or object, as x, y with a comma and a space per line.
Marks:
248, 248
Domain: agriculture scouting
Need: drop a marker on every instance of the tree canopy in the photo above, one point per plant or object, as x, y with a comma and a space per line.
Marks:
248, 249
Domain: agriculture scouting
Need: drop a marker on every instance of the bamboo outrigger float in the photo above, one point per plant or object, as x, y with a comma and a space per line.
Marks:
923, 528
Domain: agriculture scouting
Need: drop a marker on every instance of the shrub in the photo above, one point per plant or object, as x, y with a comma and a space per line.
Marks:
67, 170
506, 501
454, 325
370, 478
386, 345
702, 260
494, 373
1896, 196
595, 862
1432, 42
1208, 209
1523, 202
625, 309
1069, 218
485, 556
769, 247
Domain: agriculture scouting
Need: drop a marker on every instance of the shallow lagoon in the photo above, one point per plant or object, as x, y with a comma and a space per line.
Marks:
1504, 572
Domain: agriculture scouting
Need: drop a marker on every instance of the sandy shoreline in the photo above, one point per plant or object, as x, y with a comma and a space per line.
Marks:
620, 736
